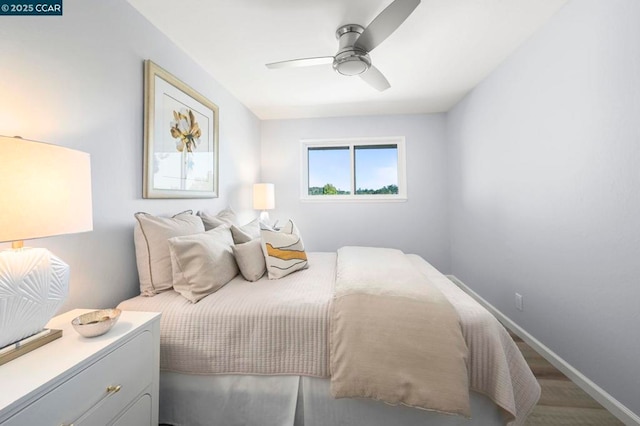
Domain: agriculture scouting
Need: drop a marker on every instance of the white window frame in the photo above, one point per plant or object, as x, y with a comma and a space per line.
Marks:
351, 143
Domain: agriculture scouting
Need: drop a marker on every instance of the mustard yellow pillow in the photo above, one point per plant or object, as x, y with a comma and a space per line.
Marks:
283, 250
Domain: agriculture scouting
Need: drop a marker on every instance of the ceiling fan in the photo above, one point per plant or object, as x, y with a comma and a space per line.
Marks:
355, 42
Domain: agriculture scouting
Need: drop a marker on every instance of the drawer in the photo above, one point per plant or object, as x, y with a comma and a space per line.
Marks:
138, 414
85, 399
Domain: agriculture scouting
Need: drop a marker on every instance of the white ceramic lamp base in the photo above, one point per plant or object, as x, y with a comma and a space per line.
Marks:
264, 217
33, 286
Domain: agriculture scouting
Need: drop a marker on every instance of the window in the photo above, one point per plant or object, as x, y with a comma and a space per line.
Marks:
329, 170
353, 169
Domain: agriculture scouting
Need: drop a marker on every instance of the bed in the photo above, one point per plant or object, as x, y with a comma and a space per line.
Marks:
263, 353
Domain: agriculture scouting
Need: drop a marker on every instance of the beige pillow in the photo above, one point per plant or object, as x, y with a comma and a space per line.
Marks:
211, 221
246, 233
152, 249
283, 250
250, 259
202, 263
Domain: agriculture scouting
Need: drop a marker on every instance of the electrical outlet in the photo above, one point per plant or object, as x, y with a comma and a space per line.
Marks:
519, 305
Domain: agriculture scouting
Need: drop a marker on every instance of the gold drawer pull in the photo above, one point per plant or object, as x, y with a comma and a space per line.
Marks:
113, 389
110, 391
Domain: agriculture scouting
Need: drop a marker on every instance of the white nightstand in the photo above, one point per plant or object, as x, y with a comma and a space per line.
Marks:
107, 380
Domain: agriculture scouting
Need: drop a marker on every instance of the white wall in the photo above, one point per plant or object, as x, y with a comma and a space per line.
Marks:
418, 225
77, 81
544, 190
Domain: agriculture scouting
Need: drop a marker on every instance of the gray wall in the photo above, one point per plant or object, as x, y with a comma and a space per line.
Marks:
418, 225
544, 180
77, 81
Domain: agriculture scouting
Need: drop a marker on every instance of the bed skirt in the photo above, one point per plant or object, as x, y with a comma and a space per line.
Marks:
223, 400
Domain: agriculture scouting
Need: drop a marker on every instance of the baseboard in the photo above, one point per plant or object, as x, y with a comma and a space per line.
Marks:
614, 406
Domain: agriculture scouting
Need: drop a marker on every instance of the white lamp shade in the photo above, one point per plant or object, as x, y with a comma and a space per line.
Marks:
264, 196
45, 190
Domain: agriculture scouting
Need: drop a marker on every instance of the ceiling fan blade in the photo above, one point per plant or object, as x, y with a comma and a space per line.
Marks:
385, 23
375, 79
305, 62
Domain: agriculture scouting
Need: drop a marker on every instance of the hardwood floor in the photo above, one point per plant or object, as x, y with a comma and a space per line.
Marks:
562, 402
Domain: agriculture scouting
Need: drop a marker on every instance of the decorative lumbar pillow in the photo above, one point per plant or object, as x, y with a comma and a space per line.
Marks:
224, 217
283, 250
250, 259
152, 248
202, 263
246, 233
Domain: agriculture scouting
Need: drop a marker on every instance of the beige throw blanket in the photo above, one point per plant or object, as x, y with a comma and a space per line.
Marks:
394, 336
496, 366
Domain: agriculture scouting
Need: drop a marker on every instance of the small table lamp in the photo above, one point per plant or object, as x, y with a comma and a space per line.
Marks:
45, 190
264, 199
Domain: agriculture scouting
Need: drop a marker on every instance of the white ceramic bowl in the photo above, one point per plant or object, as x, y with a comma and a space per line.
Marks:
96, 323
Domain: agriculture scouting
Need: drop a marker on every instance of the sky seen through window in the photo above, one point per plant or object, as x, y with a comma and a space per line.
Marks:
376, 167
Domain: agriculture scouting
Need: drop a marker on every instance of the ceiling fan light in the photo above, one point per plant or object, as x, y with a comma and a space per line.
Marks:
351, 63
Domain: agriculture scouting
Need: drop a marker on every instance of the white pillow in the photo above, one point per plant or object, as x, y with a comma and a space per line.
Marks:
250, 259
211, 221
152, 249
202, 263
283, 250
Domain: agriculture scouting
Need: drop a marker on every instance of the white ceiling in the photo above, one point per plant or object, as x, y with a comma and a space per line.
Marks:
443, 50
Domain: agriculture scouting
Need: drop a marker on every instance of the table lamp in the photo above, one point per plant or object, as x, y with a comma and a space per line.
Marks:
45, 190
264, 199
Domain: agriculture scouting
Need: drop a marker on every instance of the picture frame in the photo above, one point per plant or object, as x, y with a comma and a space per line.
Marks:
181, 129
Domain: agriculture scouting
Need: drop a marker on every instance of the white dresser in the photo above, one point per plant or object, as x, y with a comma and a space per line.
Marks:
106, 380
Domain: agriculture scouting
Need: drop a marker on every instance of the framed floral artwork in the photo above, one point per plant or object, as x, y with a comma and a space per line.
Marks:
180, 138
